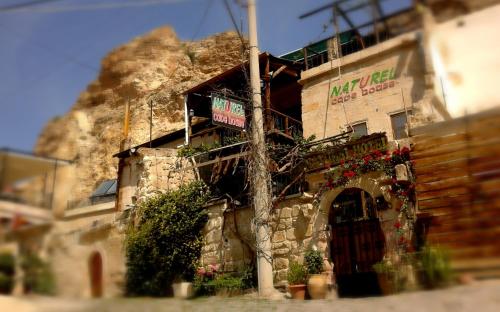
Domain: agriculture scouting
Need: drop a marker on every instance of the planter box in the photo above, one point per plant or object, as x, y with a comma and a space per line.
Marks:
183, 290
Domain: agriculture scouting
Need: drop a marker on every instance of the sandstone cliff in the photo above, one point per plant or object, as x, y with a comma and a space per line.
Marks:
155, 66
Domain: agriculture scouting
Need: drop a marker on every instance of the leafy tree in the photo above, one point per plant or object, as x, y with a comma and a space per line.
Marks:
38, 277
166, 243
7, 270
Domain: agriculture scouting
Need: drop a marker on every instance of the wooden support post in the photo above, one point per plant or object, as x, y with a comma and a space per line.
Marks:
150, 123
126, 121
267, 80
286, 126
305, 57
337, 34
375, 20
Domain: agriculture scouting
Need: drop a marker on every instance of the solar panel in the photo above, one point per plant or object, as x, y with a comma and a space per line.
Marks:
107, 187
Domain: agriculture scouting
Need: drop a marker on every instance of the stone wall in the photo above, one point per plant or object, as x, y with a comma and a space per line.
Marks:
294, 231
160, 171
300, 223
228, 237
297, 224
149, 171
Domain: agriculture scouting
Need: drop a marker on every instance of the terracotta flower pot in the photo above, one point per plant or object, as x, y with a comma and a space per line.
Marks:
297, 291
317, 286
386, 283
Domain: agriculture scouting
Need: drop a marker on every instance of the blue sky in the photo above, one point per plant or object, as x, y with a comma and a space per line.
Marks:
50, 52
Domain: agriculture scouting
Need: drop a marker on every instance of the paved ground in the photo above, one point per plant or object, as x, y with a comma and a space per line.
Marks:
478, 297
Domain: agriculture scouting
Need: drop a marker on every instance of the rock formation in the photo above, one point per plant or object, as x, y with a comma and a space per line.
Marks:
157, 66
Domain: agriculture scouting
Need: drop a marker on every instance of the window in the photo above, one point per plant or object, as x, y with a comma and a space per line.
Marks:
398, 122
360, 129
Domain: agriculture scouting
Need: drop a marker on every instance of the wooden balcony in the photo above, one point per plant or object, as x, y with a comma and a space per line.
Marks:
283, 124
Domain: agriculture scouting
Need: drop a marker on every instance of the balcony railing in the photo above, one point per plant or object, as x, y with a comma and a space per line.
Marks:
284, 124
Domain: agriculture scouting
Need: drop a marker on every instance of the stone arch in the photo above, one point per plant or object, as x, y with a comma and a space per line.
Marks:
368, 182
351, 282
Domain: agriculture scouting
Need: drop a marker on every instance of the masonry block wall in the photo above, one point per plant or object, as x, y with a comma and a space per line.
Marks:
368, 86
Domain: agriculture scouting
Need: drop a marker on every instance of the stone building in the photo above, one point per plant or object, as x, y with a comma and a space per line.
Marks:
366, 100
30, 188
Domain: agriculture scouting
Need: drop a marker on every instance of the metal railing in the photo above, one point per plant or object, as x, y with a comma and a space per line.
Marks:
90, 201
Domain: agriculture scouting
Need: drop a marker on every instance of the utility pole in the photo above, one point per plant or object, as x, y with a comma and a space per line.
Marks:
259, 174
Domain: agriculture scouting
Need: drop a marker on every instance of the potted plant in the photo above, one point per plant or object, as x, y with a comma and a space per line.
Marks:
317, 285
387, 276
297, 280
435, 269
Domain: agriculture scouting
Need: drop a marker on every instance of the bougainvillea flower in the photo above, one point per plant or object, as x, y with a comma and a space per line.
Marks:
396, 152
213, 267
367, 158
349, 174
201, 271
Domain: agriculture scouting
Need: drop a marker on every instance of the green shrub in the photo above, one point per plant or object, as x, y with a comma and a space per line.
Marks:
296, 274
38, 277
435, 267
384, 267
6, 283
224, 283
313, 261
7, 263
227, 282
167, 242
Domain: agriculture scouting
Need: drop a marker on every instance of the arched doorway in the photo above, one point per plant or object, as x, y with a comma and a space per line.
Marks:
95, 271
357, 242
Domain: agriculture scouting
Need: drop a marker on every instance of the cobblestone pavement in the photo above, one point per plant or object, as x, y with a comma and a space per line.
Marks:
478, 297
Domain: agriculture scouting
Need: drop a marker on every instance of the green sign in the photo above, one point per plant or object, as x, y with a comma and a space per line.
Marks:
228, 112
334, 155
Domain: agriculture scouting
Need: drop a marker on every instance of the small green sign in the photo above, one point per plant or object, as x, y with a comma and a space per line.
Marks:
228, 112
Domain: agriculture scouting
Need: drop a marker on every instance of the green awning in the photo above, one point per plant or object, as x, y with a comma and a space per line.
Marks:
317, 47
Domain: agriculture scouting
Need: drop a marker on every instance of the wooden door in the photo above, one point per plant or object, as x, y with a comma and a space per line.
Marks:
356, 246
95, 270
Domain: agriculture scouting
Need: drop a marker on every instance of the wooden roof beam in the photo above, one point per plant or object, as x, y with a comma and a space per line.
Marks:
350, 23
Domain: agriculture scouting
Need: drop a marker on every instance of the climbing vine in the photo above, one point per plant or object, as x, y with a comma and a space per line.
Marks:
385, 161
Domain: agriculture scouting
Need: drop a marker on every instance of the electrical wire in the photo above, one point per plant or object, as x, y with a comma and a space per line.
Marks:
18, 6
233, 20
89, 7
202, 19
68, 59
